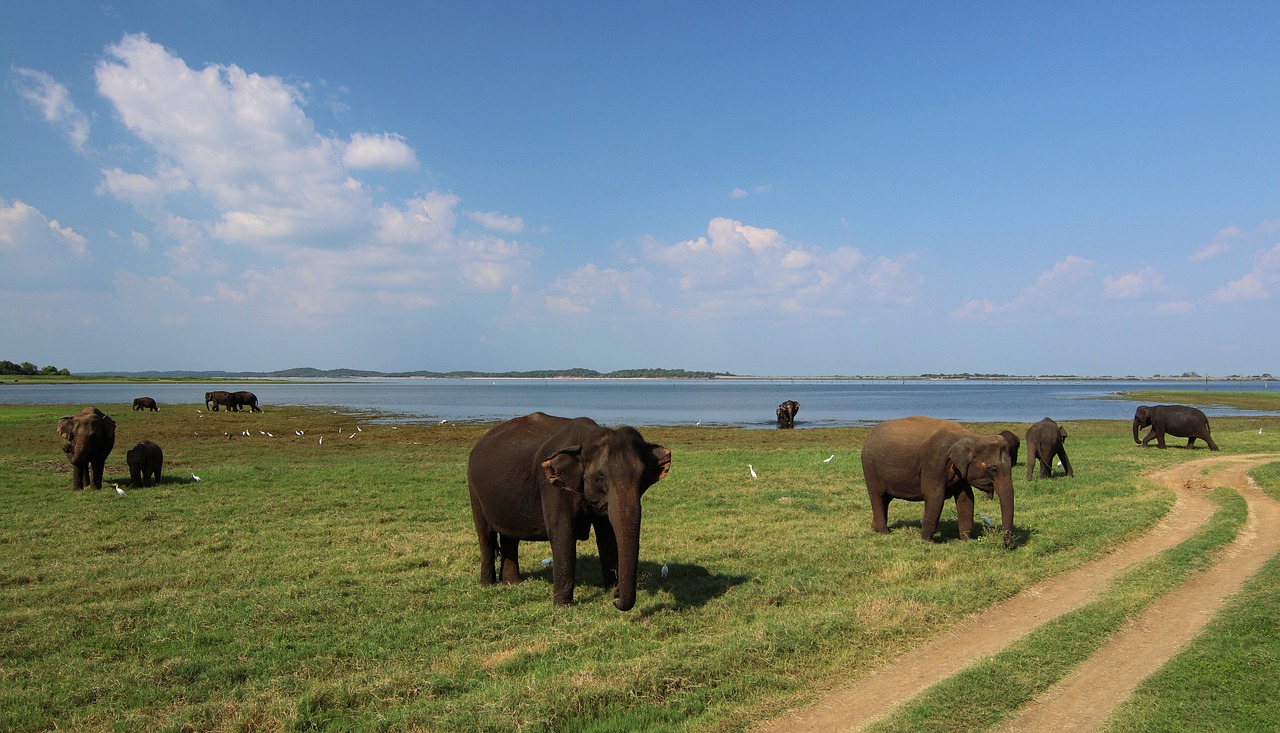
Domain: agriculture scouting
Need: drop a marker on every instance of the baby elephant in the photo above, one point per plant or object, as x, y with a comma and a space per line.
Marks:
145, 462
1045, 440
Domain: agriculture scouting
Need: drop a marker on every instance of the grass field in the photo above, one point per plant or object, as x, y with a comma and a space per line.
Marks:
308, 585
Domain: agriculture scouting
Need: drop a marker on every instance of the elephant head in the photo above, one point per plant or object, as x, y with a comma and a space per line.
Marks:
609, 471
983, 463
1141, 419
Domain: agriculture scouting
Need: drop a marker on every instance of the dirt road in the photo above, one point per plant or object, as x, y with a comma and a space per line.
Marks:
1083, 700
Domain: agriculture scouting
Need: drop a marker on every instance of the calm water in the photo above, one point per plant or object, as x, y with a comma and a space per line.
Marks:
747, 403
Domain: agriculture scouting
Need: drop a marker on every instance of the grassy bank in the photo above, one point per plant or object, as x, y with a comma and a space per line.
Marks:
305, 584
1262, 401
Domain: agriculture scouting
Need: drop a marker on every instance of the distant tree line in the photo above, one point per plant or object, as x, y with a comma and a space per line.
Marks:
27, 369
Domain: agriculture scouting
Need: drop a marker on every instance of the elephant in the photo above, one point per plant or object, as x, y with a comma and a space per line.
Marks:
787, 414
1176, 420
91, 435
145, 463
219, 397
245, 399
145, 403
547, 478
932, 460
1012, 441
1045, 440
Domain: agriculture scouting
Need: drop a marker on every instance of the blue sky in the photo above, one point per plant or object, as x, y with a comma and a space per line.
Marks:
803, 189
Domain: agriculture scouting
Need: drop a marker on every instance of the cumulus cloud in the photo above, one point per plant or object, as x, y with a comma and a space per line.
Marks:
1133, 285
36, 248
1257, 284
53, 101
1061, 291
386, 151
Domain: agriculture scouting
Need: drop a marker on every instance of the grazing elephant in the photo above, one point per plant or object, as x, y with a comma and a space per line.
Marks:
91, 435
145, 403
245, 399
1177, 420
540, 477
219, 397
787, 414
145, 463
931, 460
1012, 441
1045, 440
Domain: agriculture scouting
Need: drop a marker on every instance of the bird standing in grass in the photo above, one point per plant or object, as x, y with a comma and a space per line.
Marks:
752, 470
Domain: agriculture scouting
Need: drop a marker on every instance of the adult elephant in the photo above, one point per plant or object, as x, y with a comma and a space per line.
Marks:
90, 436
540, 477
1177, 420
219, 397
145, 403
931, 460
786, 413
1013, 442
146, 462
1045, 440
245, 399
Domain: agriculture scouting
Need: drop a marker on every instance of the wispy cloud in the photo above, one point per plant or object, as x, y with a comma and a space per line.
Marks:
1060, 292
53, 101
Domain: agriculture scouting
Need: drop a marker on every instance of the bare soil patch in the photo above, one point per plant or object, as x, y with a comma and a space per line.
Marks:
1083, 700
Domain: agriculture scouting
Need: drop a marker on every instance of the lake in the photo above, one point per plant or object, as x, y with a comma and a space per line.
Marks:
740, 402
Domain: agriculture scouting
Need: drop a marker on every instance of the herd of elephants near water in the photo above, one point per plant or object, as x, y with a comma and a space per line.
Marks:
554, 479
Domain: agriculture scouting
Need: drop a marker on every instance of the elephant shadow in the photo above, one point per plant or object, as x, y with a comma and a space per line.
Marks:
949, 530
690, 585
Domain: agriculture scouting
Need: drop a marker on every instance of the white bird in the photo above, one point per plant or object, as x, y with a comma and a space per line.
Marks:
297, 432
1259, 431
665, 570
349, 437
985, 519
752, 470
262, 432
833, 455
119, 490
546, 561
321, 441
358, 430
269, 435
699, 422
195, 478
442, 422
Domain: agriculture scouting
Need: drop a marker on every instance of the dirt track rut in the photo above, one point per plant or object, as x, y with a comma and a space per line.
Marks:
1084, 699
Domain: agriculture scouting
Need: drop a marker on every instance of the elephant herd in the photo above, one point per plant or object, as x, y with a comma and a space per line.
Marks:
91, 435
554, 479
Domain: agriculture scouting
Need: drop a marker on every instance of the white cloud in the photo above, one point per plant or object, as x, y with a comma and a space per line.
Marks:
591, 289
496, 221
1220, 245
1257, 284
23, 228
386, 152
54, 103
1133, 285
1061, 291
738, 193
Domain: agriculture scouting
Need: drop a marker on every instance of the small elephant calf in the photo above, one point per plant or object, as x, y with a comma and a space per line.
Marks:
145, 463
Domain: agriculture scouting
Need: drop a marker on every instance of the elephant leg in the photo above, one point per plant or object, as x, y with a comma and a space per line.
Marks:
564, 567
1212, 445
97, 466
932, 513
509, 550
879, 510
488, 553
607, 544
1031, 460
964, 513
79, 477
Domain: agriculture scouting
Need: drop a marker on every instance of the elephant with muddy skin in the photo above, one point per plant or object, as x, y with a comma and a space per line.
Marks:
540, 477
245, 399
145, 403
219, 397
931, 460
146, 462
1177, 420
1046, 440
786, 413
90, 436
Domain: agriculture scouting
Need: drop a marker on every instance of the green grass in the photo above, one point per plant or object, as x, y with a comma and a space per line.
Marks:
301, 586
1263, 401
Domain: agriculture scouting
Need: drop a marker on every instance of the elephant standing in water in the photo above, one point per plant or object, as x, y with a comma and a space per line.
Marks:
786, 413
1177, 420
1045, 440
931, 460
540, 477
91, 435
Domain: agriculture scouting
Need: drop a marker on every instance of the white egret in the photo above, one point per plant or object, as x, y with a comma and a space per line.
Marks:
752, 470
119, 490
665, 570
833, 455
195, 478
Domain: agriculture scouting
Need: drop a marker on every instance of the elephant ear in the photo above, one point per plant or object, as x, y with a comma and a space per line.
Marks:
564, 468
659, 462
66, 428
959, 457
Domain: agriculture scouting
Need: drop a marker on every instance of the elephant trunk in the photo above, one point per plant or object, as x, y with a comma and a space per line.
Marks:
1136, 427
625, 518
